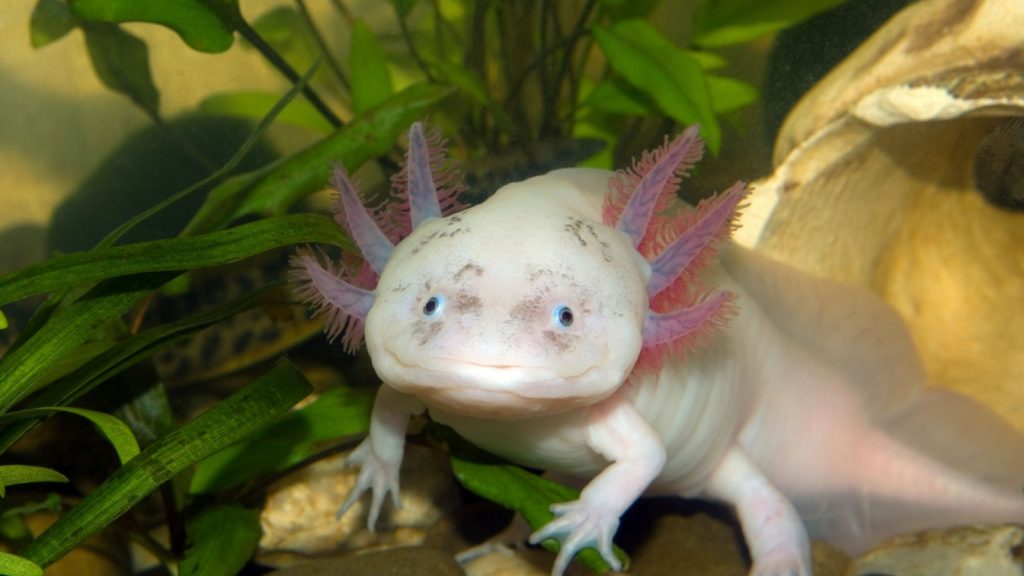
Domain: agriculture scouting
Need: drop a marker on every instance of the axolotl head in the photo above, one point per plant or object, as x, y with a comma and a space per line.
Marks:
522, 305
540, 300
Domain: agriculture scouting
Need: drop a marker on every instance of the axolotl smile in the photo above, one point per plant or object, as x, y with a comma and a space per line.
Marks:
475, 313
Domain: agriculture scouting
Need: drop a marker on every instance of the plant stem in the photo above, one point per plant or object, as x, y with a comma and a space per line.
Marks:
282, 66
407, 36
319, 39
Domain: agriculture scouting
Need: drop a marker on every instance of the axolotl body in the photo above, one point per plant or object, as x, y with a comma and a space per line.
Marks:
588, 323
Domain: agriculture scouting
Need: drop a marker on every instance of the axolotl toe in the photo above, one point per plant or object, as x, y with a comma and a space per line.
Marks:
589, 323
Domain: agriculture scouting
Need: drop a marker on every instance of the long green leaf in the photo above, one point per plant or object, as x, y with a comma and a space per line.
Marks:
371, 79
11, 565
173, 254
271, 191
668, 75
115, 431
199, 26
221, 540
126, 353
723, 22
236, 417
22, 368
21, 474
337, 413
129, 351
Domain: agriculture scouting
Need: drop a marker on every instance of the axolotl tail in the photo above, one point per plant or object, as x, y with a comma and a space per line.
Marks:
943, 461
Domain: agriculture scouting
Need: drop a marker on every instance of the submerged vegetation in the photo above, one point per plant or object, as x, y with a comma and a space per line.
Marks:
537, 81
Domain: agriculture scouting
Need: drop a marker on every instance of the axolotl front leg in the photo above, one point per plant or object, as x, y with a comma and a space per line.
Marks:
618, 433
379, 456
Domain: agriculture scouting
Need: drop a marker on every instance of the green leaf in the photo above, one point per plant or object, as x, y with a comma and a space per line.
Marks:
619, 98
51, 21
234, 418
20, 474
115, 431
708, 60
127, 353
723, 22
221, 540
201, 27
254, 105
336, 413
122, 63
272, 190
11, 565
22, 368
729, 94
470, 84
669, 76
3, 321
627, 9
370, 76
403, 7
516, 489
172, 254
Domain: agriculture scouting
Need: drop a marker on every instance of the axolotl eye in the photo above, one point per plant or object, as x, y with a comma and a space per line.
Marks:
433, 306
562, 316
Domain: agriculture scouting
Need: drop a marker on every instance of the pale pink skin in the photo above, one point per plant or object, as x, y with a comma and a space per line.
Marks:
784, 408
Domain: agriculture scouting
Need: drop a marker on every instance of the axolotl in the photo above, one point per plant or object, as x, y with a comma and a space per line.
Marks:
591, 324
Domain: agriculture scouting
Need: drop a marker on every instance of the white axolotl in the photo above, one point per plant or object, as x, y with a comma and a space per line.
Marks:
582, 322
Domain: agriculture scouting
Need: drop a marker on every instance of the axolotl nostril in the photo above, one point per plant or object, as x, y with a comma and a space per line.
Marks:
588, 322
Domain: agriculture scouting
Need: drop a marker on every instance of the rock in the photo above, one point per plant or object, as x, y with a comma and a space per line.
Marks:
968, 551
300, 514
709, 543
405, 561
876, 184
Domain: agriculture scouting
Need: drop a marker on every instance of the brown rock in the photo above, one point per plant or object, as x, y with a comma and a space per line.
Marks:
405, 561
300, 513
969, 551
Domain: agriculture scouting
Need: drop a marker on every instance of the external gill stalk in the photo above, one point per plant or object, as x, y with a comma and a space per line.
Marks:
680, 312
424, 189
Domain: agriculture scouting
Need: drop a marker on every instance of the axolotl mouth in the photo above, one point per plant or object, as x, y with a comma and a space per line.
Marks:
495, 391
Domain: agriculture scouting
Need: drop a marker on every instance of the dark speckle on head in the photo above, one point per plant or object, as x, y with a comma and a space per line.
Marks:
425, 241
426, 330
452, 233
469, 268
399, 288
526, 309
573, 227
467, 304
561, 341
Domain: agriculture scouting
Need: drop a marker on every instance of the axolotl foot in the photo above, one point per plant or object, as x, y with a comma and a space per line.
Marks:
379, 475
578, 525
